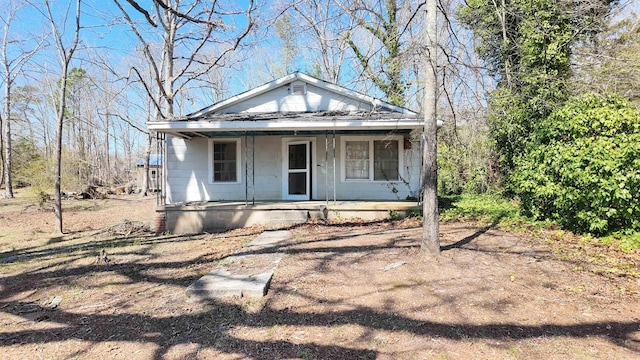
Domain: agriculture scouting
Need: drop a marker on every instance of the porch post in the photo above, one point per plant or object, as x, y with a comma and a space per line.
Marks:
161, 177
334, 165
326, 167
249, 164
246, 168
253, 169
327, 173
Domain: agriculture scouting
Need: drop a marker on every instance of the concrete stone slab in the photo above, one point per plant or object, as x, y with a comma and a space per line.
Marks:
247, 273
221, 283
269, 238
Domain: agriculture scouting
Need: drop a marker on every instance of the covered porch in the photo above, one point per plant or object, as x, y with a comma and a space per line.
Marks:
198, 217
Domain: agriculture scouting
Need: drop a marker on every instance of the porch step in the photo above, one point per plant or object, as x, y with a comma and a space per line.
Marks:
244, 274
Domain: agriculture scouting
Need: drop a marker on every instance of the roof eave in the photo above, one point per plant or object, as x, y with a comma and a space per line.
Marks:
200, 126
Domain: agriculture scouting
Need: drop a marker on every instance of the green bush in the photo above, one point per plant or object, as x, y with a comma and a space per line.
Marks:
463, 159
29, 165
582, 167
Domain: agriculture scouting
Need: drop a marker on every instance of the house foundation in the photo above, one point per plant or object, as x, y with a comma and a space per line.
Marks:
193, 218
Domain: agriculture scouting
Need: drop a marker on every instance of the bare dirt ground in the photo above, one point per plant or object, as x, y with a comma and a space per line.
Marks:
110, 290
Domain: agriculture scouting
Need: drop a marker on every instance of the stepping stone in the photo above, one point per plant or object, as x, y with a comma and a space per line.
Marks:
246, 274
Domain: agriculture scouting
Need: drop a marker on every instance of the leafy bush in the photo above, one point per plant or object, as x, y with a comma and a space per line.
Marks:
29, 165
464, 152
582, 167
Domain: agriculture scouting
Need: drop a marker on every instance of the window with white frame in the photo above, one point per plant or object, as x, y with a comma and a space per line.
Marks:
225, 160
371, 158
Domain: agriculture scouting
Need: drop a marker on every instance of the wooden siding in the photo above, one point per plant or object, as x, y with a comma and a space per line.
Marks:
315, 99
188, 167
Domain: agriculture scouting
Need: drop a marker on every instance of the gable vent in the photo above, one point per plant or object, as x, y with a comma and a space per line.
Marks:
298, 89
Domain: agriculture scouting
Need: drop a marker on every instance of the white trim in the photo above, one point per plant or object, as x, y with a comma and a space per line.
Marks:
174, 127
370, 139
238, 142
312, 171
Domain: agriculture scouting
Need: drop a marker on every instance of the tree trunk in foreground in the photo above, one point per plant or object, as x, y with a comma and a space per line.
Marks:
66, 54
430, 227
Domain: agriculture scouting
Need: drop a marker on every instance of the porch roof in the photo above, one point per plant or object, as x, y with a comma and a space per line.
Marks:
285, 123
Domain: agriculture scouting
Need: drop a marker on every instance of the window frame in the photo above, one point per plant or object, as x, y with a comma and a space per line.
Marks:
370, 140
298, 84
238, 161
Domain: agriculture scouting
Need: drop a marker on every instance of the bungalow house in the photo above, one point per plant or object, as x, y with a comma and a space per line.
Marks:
296, 147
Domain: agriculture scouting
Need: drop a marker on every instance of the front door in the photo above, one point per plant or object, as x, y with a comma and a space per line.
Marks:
298, 174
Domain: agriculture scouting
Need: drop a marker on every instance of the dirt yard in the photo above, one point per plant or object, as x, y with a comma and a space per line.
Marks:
109, 289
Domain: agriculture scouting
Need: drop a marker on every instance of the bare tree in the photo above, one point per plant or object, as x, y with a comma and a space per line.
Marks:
65, 54
11, 67
431, 232
322, 24
186, 30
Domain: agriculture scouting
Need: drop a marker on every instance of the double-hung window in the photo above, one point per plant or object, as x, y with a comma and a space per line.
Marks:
225, 160
371, 159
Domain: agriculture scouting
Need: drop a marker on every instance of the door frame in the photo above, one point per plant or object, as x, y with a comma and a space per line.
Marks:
311, 174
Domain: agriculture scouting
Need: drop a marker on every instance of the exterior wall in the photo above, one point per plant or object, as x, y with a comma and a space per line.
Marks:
188, 172
189, 175
315, 99
407, 187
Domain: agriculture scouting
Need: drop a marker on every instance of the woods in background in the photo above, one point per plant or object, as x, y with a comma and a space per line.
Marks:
503, 68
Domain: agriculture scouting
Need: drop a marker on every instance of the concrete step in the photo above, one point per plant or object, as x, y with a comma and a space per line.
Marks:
244, 274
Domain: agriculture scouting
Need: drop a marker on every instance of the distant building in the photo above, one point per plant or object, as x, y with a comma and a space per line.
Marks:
155, 172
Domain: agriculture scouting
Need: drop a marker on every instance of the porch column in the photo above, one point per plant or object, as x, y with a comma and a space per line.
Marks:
161, 177
249, 169
330, 156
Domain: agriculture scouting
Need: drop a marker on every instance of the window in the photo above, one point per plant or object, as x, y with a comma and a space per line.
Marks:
385, 160
357, 160
374, 159
153, 175
225, 160
298, 89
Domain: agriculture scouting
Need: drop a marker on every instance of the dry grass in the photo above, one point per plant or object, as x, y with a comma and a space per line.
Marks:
108, 289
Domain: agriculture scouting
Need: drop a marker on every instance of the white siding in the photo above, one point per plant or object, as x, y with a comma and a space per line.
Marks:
316, 99
188, 169
188, 173
372, 190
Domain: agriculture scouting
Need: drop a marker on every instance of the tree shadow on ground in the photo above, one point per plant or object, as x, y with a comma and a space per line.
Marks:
90, 245
468, 239
213, 328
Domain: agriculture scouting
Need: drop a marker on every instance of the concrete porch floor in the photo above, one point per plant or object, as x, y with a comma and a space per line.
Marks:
201, 217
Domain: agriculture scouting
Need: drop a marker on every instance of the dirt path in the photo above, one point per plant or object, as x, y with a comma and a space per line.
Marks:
342, 291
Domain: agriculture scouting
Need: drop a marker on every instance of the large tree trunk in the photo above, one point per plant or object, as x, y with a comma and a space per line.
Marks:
430, 232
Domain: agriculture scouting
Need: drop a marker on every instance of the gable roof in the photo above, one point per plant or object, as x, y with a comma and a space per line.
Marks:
271, 109
377, 104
